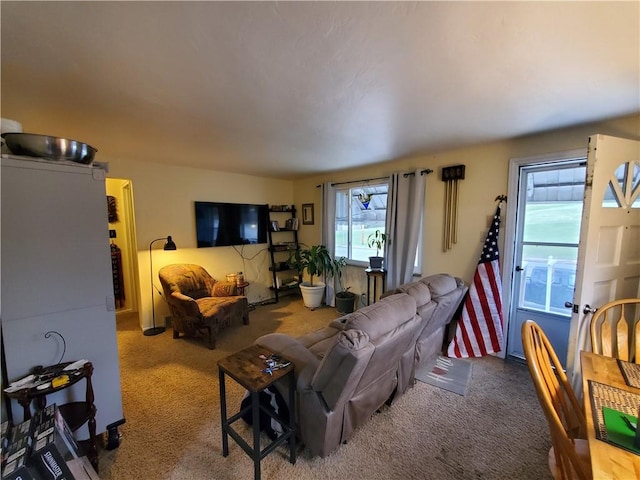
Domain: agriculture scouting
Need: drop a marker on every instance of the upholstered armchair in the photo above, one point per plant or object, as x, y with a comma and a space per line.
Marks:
199, 304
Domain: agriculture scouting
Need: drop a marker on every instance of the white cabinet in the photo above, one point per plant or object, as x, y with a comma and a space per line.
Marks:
56, 275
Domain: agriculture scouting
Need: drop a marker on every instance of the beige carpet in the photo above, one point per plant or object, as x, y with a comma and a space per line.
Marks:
171, 403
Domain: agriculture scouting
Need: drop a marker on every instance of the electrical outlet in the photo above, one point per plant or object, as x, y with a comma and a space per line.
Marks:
111, 303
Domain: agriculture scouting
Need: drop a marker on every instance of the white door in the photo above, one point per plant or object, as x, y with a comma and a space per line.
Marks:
609, 250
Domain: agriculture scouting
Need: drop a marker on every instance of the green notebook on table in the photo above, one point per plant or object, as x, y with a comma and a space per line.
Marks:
618, 431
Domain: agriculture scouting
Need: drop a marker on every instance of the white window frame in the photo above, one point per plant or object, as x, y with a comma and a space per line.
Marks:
417, 269
350, 195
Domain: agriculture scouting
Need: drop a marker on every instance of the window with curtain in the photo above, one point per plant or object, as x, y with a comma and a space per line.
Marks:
360, 211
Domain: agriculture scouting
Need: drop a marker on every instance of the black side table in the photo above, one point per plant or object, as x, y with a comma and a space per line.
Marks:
245, 367
375, 273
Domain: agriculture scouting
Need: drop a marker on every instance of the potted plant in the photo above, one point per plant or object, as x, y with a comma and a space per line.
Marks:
345, 300
317, 262
377, 239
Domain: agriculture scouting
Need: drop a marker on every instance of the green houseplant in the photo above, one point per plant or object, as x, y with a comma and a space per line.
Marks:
317, 262
377, 239
345, 300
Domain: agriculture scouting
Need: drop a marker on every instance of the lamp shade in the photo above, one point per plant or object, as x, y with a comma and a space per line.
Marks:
170, 245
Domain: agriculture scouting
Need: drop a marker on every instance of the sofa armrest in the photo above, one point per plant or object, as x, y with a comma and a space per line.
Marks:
188, 305
338, 374
291, 349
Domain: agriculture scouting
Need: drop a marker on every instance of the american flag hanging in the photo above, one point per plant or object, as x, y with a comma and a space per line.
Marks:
479, 330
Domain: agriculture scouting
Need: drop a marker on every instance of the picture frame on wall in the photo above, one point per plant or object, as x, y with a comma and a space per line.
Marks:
307, 214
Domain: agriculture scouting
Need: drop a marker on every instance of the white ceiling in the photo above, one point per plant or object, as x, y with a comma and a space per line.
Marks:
293, 88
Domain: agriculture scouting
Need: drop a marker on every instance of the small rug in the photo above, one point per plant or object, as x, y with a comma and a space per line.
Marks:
450, 374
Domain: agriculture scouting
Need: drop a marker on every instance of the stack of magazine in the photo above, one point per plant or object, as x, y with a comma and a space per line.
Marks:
39, 448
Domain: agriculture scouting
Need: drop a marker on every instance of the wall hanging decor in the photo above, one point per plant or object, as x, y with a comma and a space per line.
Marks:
307, 214
365, 198
451, 176
112, 209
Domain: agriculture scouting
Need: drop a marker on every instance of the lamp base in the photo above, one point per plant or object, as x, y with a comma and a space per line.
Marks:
149, 332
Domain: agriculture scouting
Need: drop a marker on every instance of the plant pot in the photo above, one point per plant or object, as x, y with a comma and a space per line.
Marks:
375, 263
312, 296
345, 302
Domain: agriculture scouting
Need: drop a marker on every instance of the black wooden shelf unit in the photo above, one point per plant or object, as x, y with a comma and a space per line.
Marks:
283, 240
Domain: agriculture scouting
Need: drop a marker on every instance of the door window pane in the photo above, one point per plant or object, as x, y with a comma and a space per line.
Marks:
554, 205
623, 186
549, 277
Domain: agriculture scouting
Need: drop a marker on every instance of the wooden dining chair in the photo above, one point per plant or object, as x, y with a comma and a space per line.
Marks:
569, 453
615, 330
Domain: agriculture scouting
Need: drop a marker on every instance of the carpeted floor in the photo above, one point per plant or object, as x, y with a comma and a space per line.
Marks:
170, 398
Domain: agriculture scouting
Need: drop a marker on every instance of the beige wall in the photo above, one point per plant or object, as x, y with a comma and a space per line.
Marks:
485, 178
164, 199
164, 196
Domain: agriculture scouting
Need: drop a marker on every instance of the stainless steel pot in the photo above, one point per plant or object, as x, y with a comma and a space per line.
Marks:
51, 148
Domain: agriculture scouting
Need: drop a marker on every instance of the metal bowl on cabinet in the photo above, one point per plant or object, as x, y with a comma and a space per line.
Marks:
50, 148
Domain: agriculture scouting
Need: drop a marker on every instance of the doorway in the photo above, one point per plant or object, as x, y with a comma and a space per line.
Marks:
124, 252
548, 210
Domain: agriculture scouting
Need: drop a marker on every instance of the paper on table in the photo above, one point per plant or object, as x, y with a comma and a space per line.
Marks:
27, 381
75, 365
618, 431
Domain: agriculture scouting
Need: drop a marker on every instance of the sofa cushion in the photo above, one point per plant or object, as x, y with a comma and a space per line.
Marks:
440, 284
381, 317
319, 341
225, 289
418, 290
221, 310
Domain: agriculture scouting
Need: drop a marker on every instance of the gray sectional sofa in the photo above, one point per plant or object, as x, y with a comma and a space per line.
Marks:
349, 369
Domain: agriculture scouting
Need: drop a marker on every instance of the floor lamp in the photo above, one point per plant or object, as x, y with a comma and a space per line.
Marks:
169, 245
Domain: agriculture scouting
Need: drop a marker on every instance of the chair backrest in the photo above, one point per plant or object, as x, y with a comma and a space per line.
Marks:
562, 409
615, 330
189, 279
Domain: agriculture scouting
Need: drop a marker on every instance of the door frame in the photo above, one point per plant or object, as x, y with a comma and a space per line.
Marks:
513, 187
129, 244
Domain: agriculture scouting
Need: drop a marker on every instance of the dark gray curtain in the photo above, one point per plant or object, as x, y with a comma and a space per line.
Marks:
405, 207
329, 233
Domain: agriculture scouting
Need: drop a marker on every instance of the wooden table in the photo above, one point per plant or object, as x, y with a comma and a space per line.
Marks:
242, 287
375, 273
607, 460
245, 367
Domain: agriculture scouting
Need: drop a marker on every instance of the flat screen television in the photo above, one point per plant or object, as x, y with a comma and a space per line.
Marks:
225, 224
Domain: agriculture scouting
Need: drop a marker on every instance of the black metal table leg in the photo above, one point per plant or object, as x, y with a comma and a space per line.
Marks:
255, 412
292, 418
375, 287
223, 414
